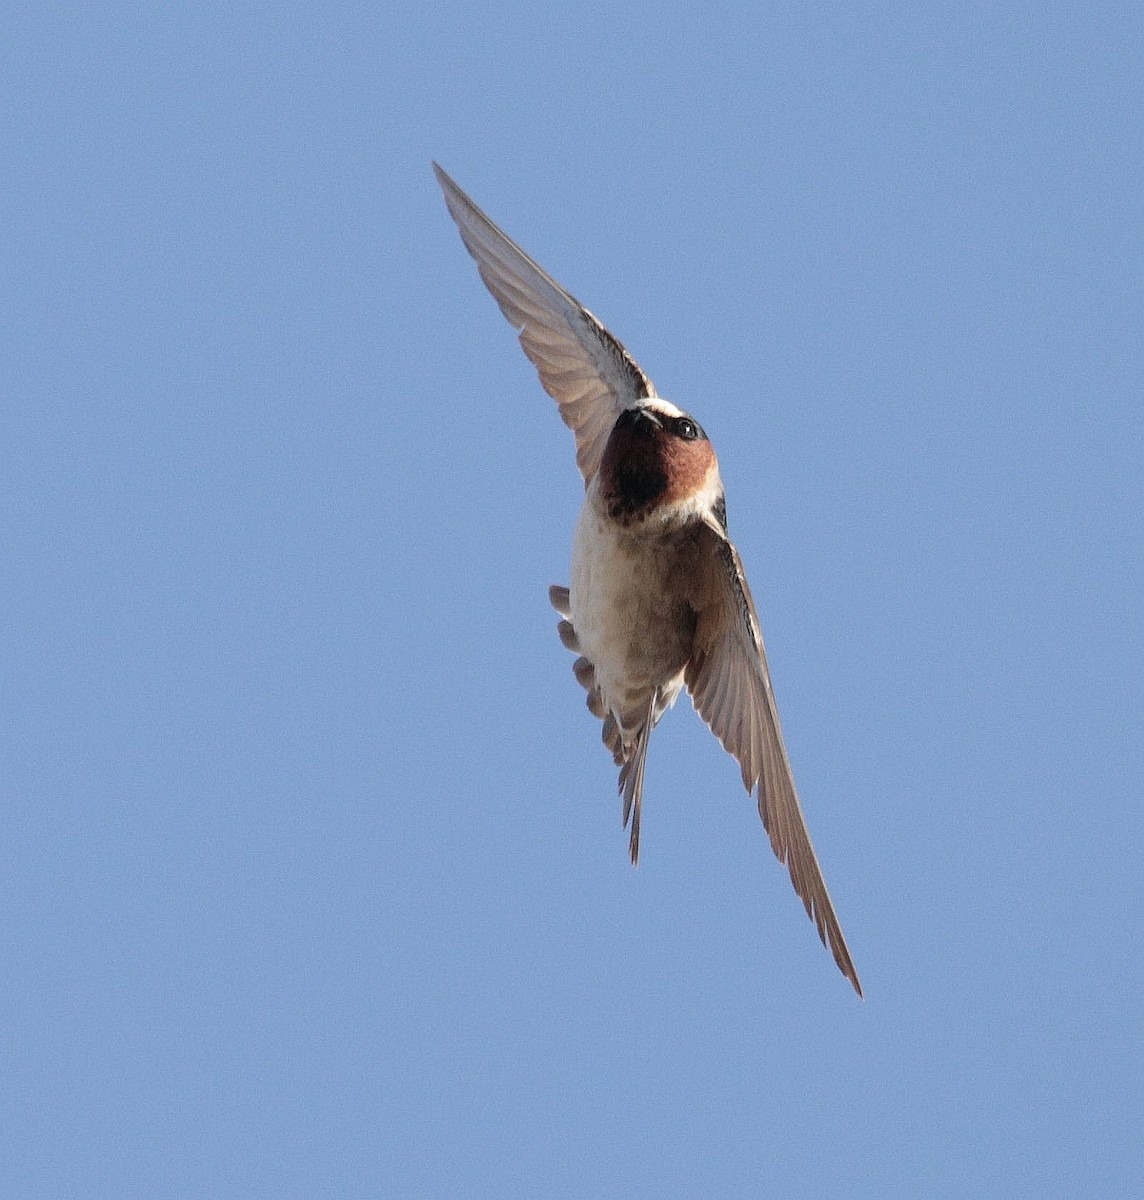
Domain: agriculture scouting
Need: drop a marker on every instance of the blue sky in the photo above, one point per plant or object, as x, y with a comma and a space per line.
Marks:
314, 881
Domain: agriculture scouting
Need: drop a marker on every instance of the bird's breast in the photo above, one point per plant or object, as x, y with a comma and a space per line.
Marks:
629, 603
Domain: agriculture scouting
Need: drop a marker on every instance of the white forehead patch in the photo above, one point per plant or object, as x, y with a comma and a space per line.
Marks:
658, 404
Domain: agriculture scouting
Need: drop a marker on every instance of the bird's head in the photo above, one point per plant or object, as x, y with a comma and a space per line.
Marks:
658, 463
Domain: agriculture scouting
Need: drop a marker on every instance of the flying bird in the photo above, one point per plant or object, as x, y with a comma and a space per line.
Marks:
658, 599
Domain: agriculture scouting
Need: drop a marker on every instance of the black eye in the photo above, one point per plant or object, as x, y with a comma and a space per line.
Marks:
686, 428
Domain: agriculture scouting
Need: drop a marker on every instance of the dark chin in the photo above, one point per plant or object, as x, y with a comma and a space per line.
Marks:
637, 489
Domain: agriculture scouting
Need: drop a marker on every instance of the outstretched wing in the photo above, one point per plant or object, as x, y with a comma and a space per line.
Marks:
730, 686
581, 365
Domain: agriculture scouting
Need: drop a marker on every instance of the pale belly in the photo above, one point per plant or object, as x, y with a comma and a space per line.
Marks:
629, 611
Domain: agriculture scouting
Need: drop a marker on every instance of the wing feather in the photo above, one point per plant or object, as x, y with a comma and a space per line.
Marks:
581, 365
731, 688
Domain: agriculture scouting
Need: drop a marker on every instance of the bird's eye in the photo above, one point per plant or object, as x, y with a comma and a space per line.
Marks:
686, 428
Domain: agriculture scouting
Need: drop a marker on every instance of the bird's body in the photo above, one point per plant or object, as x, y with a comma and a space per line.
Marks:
630, 611
658, 600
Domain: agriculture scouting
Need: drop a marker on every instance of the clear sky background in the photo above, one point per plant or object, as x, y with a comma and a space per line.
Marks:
313, 880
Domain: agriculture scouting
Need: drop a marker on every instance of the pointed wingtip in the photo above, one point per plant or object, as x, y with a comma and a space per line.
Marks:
846, 965
444, 179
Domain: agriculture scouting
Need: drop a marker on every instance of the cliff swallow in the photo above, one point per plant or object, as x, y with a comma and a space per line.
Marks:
658, 600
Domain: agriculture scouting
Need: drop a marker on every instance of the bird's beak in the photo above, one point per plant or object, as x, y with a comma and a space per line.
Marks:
645, 414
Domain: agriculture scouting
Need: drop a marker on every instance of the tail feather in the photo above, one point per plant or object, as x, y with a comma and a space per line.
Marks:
628, 742
632, 775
